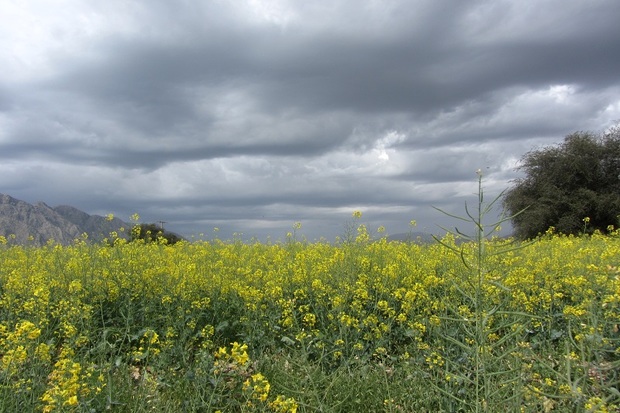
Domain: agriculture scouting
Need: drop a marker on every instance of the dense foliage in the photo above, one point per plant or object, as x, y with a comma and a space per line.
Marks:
362, 326
153, 233
573, 187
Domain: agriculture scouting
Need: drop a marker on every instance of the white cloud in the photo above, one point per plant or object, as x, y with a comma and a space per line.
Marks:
277, 12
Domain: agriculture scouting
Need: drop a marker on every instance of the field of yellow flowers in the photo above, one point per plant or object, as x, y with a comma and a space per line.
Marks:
299, 327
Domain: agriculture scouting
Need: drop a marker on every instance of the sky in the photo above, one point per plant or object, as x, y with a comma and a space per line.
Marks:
252, 115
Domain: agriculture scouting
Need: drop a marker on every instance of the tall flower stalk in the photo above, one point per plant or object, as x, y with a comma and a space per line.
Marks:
481, 337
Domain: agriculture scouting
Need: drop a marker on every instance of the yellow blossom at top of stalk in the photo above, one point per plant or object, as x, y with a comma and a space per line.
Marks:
283, 404
258, 386
238, 353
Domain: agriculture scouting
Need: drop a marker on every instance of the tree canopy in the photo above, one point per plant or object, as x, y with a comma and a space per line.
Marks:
573, 187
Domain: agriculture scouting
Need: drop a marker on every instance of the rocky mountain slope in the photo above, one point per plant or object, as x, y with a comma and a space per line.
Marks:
24, 223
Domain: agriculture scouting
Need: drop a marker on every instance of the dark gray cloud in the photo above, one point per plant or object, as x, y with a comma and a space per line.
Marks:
252, 115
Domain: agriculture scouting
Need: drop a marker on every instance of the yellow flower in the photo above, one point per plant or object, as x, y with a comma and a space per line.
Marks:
239, 353
221, 353
380, 351
71, 401
309, 319
42, 352
282, 404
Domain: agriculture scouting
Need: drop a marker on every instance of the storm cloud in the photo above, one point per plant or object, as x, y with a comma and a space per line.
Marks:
252, 115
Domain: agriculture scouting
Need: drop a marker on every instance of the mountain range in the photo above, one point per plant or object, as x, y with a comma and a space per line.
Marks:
36, 224
26, 224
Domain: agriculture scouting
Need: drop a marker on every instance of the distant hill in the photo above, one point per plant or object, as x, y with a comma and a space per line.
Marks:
417, 237
37, 224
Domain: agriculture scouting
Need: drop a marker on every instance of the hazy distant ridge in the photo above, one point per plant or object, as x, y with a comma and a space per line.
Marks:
418, 237
40, 222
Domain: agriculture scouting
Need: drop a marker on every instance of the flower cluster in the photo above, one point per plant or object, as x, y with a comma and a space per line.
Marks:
234, 370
